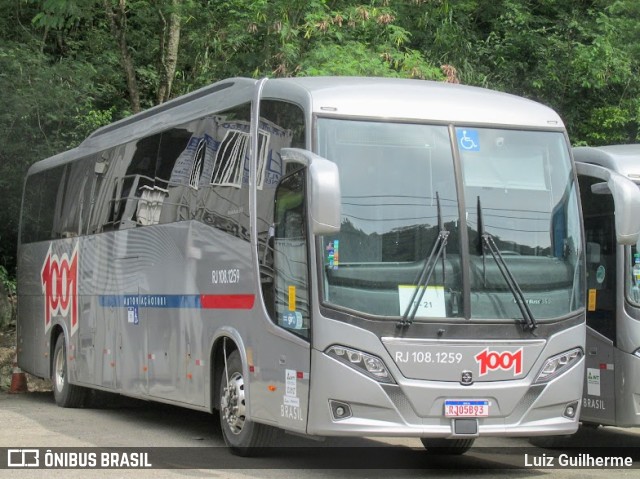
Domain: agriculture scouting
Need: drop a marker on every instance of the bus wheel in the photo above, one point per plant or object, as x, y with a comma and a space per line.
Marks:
65, 394
243, 437
454, 447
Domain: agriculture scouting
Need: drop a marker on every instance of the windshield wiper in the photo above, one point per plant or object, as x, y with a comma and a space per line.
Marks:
438, 250
487, 240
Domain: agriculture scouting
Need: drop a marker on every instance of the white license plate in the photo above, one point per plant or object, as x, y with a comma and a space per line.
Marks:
465, 408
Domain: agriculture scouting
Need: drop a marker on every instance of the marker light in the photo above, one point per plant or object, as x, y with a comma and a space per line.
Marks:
558, 364
368, 364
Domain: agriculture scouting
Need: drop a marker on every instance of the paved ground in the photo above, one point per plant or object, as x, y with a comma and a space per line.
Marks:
192, 439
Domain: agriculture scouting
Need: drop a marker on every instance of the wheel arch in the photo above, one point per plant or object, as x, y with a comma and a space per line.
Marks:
225, 340
56, 330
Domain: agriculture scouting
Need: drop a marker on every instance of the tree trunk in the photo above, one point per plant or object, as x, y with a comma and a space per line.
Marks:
169, 51
118, 23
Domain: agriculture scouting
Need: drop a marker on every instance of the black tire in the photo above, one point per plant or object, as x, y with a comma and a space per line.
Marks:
96, 399
242, 436
452, 447
65, 394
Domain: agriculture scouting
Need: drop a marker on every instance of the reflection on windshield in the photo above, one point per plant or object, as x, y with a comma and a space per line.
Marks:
391, 175
529, 207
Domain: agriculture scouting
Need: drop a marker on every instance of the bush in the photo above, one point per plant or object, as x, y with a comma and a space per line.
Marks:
7, 298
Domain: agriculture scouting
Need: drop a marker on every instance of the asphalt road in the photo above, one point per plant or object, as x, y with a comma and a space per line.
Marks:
185, 443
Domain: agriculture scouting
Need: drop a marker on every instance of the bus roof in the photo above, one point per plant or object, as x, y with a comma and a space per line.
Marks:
623, 159
401, 98
390, 98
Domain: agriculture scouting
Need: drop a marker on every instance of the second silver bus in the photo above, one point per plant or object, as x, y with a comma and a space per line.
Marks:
609, 177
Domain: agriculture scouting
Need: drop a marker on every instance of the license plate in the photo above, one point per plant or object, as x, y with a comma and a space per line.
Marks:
463, 408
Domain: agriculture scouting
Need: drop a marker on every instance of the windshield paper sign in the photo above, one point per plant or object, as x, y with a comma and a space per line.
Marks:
432, 304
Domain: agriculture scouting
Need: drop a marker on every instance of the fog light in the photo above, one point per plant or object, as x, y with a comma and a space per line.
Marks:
339, 410
571, 410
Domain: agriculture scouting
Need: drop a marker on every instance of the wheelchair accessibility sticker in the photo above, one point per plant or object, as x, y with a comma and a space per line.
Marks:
468, 140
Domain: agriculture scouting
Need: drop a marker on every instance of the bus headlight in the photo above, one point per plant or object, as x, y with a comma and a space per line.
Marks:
368, 364
637, 353
556, 365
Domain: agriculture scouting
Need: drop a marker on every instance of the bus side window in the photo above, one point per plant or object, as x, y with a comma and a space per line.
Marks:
132, 195
38, 213
74, 199
220, 169
598, 211
282, 125
180, 149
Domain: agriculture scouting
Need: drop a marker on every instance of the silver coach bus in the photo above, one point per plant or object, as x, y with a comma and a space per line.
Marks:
421, 273
609, 177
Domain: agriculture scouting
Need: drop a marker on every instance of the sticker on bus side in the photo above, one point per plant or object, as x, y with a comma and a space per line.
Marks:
591, 304
333, 254
290, 407
59, 279
593, 382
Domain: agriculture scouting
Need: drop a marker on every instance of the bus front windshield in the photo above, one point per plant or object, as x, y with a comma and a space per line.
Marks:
402, 240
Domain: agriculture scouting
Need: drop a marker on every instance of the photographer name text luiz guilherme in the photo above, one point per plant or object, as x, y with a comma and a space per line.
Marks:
579, 460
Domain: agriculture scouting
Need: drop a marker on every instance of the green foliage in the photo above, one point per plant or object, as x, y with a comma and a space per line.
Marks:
7, 281
88, 120
612, 124
61, 67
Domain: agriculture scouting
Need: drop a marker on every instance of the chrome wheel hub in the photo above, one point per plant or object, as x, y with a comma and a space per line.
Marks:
59, 371
232, 403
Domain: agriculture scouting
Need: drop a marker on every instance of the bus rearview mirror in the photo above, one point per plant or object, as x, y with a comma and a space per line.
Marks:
626, 198
324, 196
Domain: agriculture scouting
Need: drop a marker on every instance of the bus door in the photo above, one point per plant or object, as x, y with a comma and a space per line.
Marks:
598, 405
291, 298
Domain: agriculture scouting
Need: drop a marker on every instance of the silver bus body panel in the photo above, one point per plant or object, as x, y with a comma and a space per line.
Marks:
627, 400
417, 100
626, 364
622, 159
600, 392
146, 332
415, 407
449, 357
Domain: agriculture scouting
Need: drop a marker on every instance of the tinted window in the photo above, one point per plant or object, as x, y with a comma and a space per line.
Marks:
73, 203
179, 170
39, 207
281, 126
222, 145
